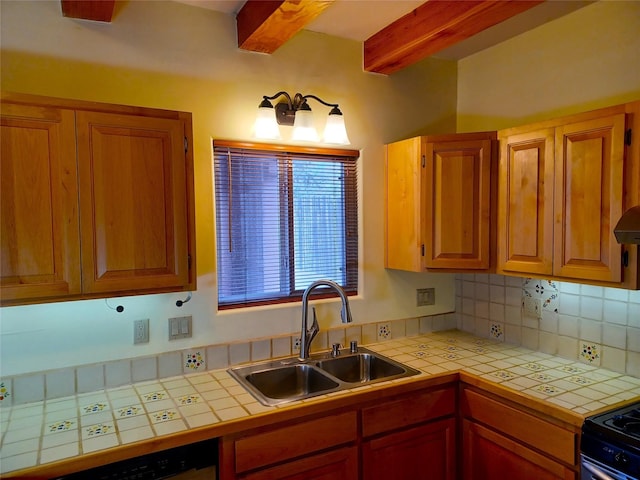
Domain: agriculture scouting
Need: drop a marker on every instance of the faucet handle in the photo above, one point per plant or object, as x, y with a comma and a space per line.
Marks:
335, 349
353, 348
315, 328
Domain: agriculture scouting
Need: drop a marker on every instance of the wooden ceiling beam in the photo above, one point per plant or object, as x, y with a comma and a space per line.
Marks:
434, 26
97, 10
265, 25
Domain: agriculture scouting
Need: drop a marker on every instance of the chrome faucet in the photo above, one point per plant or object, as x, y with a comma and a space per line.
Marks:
307, 335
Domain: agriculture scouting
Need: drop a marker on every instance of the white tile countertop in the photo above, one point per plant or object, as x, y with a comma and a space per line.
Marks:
37, 434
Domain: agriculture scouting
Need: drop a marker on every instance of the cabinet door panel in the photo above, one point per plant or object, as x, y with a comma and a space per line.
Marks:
589, 198
336, 465
525, 205
488, 454
403, 200
421, 452
132, 202
458, 205
39, 230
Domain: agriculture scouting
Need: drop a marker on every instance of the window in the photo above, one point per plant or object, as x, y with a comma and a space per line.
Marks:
285, 217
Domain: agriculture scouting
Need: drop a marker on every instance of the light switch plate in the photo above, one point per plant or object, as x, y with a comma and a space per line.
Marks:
425, 296
180, 327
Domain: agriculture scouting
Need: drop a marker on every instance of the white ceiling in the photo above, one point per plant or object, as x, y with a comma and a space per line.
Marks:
360, 19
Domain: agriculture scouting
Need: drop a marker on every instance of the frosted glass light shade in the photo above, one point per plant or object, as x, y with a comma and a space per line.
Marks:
266, 126
335, 132
303, 127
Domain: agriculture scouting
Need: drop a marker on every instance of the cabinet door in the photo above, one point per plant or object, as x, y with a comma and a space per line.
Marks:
39, 204
133, 202
589, 199
458, 204
403, 201
421, 452
525, 202
488, 454
339, 464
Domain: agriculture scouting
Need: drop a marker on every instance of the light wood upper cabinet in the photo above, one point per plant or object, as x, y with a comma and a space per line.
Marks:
404, 199
39, 203
439, 203
589, 199
133, 203
97, 200
525, 206
562, 187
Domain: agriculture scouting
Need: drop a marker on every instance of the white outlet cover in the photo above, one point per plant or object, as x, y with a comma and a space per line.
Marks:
141, 331
532, 307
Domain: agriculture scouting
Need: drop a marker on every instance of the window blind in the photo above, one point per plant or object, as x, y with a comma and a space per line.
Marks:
284, 218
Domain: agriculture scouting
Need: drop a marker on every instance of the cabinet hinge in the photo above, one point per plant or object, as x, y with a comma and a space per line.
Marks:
424, 161
186, 145
422, 249
625, 258
627, 137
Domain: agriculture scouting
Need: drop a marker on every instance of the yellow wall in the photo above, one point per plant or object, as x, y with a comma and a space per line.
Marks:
169, 55
582, 61
174, 56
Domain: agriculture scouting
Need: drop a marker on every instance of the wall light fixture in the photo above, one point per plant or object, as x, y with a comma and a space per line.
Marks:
297, 112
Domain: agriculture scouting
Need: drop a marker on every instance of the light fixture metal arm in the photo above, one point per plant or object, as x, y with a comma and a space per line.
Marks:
317, 99
281, 94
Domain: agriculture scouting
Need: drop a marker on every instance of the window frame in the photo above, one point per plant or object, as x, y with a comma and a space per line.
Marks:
351, 195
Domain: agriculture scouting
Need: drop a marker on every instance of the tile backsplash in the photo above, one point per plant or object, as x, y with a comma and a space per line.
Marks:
54, 384
595, 325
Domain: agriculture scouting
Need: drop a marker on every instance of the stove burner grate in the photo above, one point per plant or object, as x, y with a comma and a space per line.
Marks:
628, 422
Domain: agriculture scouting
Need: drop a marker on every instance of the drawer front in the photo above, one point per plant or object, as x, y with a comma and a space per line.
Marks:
340, 464
408, 410
279, 444
527, 428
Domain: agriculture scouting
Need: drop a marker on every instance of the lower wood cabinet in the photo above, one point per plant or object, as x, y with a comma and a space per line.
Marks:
409, 437
397, 437
501, 440
487, 454
427, 451
447, 432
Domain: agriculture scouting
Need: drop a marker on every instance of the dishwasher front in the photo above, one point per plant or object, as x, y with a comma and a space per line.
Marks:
196, 461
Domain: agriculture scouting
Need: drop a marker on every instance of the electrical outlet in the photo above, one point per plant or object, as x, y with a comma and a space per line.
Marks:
141, 331
425, 296
532, 307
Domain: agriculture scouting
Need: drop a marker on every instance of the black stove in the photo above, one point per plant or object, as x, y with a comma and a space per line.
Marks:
610, 445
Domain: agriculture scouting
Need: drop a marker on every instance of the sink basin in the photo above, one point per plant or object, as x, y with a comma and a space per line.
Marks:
361, 368
281, 381
294, 381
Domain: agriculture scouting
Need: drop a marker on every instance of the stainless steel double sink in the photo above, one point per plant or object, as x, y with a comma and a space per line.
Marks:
289, 379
